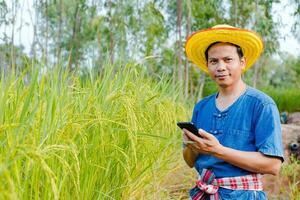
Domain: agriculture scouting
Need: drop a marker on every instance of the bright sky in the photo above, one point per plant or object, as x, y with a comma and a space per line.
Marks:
281, 13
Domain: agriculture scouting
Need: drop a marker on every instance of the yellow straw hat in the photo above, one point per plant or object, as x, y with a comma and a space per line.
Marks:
197, 43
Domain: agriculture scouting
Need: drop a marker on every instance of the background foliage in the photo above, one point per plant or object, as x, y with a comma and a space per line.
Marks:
83, 34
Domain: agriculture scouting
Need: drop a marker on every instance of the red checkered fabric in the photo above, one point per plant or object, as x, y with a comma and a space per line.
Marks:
208, 185
248, 182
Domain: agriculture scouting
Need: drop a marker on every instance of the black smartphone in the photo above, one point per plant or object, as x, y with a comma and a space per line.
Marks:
189, 126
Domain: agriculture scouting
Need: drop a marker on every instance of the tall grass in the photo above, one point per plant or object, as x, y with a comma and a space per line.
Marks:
111, 136
290, 174
287, 99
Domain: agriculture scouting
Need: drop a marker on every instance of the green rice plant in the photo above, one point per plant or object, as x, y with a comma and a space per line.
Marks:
290, 174
107, 136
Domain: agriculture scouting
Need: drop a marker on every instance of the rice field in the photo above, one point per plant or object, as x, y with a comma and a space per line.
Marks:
107, 135
101, 135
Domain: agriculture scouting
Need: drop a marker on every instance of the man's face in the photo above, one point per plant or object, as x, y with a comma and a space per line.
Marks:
224, 65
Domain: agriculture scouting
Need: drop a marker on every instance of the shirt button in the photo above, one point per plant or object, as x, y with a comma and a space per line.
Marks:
219, 115
215, 132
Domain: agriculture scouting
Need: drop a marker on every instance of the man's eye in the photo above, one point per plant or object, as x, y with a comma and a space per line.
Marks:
228, 59
213, 62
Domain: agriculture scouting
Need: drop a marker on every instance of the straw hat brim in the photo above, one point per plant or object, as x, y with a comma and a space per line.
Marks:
250, 42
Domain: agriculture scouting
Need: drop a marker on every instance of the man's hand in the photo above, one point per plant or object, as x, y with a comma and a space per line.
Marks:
249, 160
206, 144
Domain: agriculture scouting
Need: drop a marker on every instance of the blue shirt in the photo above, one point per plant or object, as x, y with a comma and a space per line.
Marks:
251, 123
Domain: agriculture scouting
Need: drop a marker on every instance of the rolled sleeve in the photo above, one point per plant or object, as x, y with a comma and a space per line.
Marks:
268, 135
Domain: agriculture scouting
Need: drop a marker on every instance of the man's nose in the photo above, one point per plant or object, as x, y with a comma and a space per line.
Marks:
221, 66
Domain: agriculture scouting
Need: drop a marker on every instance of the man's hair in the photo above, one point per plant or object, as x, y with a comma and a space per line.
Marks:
238, 49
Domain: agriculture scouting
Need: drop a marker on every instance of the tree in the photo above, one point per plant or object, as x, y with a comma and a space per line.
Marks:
296, 26
76, 33
265, 25
21, 60
69, 22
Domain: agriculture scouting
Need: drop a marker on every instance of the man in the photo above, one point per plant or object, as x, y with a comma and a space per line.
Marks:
239, 125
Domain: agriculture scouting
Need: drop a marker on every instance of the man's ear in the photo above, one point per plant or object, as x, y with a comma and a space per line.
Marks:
243, 63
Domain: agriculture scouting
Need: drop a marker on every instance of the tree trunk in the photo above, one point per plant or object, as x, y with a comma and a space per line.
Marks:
47, 35
255, 74
256, 65
99, 47
111, 36
32, 47
59, 34
235, 13
12, 43
111, 47
179, 43
188, 31
201, 86
73, 58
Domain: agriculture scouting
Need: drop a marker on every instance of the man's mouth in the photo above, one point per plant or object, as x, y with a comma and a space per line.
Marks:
221, 75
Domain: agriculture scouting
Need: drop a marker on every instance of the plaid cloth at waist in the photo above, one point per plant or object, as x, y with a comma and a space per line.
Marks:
207, 185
